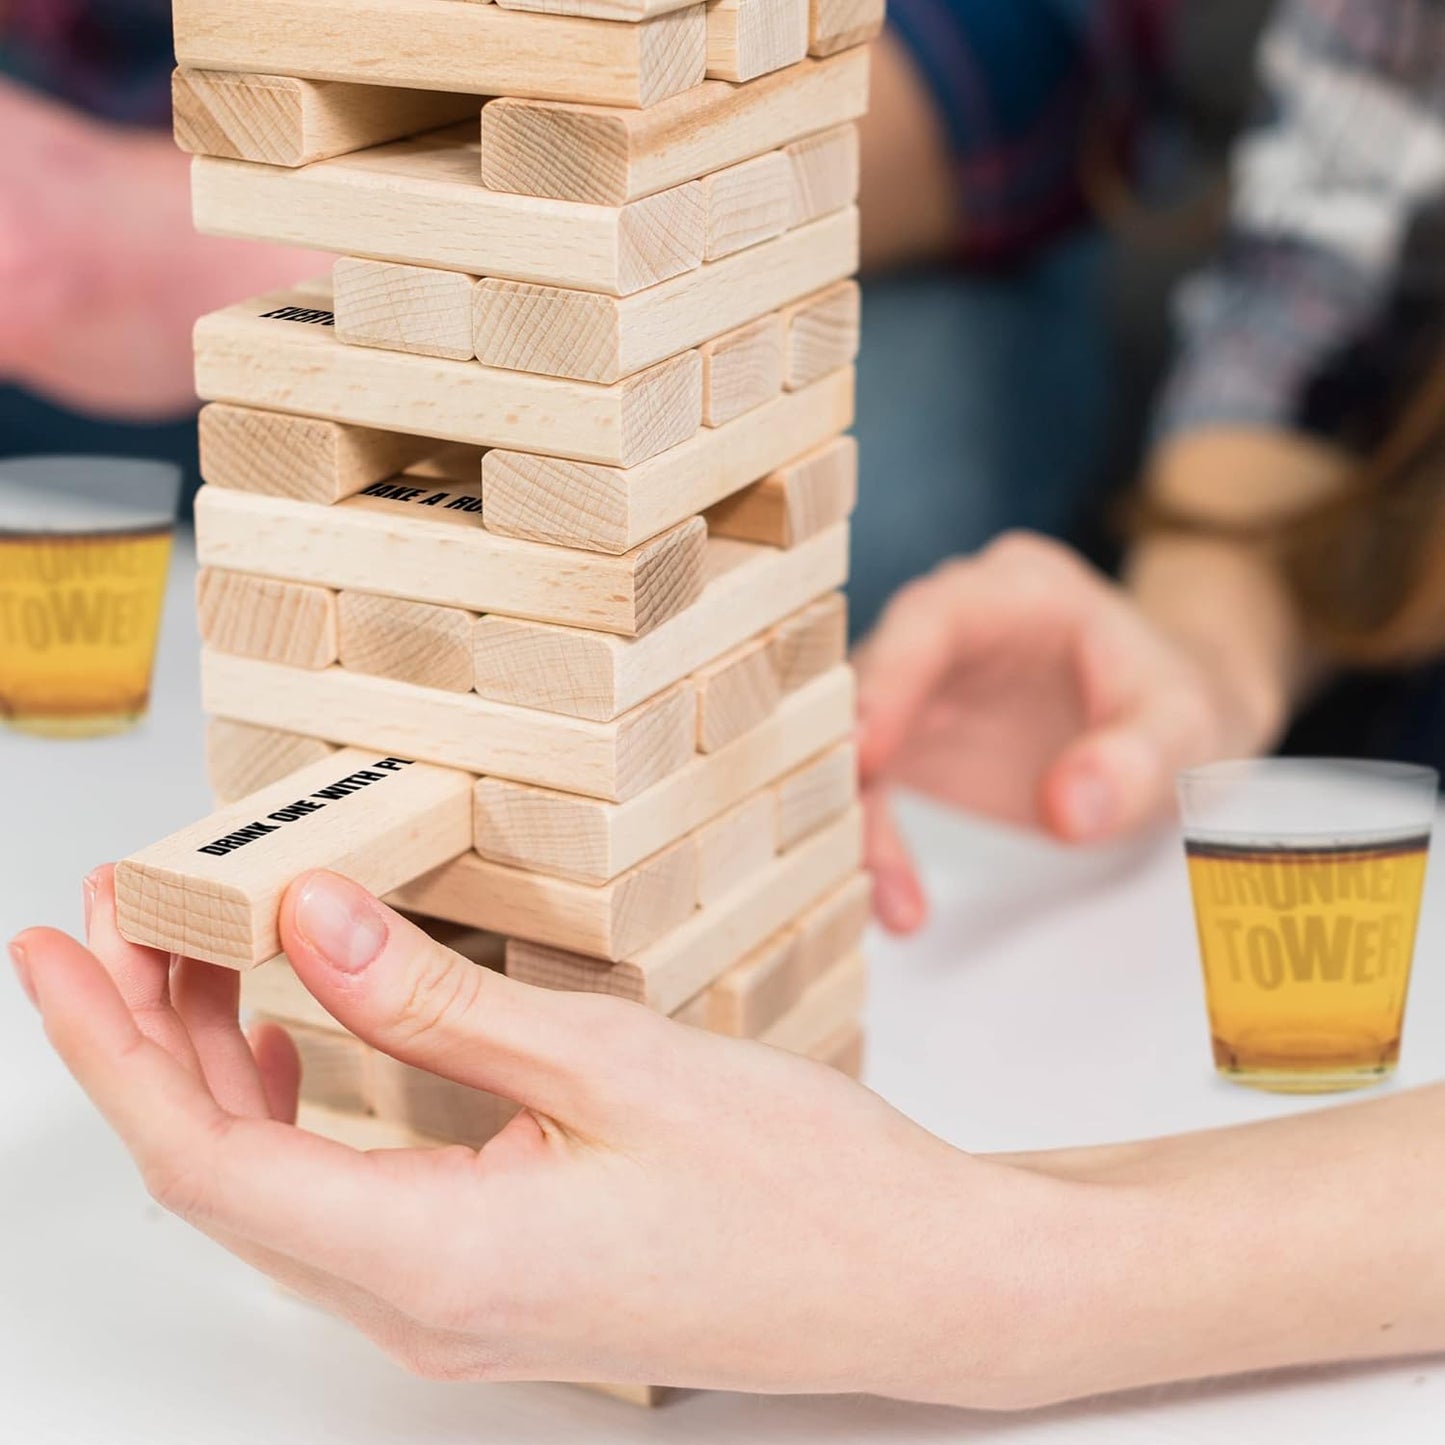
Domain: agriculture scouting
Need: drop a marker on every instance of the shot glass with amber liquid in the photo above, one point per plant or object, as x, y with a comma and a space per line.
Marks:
85, 547
1307, 877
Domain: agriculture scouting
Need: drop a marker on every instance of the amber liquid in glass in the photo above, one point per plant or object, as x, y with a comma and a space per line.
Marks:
79, 619
1307, 955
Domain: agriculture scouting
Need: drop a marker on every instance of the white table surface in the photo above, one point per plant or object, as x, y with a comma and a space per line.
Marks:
1054, 1000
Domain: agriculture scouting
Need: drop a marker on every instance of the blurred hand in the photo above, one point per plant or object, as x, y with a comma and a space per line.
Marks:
101, 274
1023, 685
669, 1207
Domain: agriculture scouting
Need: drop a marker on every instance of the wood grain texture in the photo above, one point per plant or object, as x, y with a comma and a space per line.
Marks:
445, 45
403, 308
827, 1014
272, 453
555, 832
833, 927
434, 1108
411, 555
212, 890
253, 616
815, 794
613, 760
241, 759
811, 641
822, 334
257, 354
335, 1066
279, 120
826, 172
754, 993
794, 503
747, 203
679, 966
609, 156
749, 38
741, 370
364, 1132
421, 202
611, 920
594, 338
735, 694
612, 509
835, 25
732, 848
625, 10
410, 641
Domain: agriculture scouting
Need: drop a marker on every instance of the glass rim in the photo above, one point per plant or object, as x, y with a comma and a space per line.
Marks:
1272, 768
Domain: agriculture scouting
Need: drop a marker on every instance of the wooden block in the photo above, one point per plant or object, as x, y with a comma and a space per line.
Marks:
735, 694
476, 945
281, 121
212, 890
753, 994
612, 920
823, 334
454, 463
593, 675
241, 759
835, 25
273, 989
845, 1051
748, 38
555, 832
811, 642
444, 45
435, 1108
613, 760
252, 616
277, 354
626, 10
746, 203
648, 1396
360, 1131
741, 370
613, 509
409, 641
334, 1067
826, 172
246, 450
834, 927
670, 972
420, 553
815, 794
610, 156
795, 502
421, 202
589, 337
403, 308
732, 848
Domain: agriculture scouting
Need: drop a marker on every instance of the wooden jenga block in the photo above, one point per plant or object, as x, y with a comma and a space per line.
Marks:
613, 760
593, 675
335, 1067
421, 202
281, 121
610, 156
835, 25
648, 1396
240, 759
277, 354
811, 641
845, 1051
753, 994
252, 616
403, 308
748, 38
409, 641
826, 172
735, 694
410, 554
815, 794
452, 463
433, 1107
795, 502
589, 337
360, 1131
833, 927
746, 203
246, 450
613, 509
212, 890
741, 369
273, 990
555, 832
670, 972
612, 920
443, 45
732, 848
822, 333
625, 10
827, 1012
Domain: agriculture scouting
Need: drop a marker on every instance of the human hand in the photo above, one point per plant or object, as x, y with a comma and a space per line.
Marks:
670, 1207
1023, 685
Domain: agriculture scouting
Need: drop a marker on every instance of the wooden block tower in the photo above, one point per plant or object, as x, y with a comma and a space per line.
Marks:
524, 531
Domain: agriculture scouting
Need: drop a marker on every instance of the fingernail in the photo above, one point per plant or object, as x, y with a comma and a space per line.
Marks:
87, 894
340, 921
1089, 806
21, 960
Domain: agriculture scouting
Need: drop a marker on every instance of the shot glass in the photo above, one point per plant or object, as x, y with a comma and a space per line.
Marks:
85, 546
1307, 876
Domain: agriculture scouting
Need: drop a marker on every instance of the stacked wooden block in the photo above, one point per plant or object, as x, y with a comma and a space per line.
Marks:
524, 532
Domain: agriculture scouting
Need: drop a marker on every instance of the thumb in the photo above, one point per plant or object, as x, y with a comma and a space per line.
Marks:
404, 993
